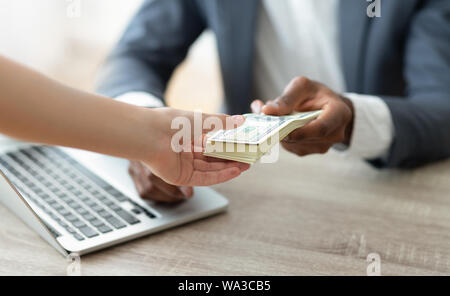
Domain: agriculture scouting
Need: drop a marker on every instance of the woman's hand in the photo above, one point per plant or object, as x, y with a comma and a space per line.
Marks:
188, 167
37, 109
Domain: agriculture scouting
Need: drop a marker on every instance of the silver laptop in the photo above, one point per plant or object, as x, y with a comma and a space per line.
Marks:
81, 202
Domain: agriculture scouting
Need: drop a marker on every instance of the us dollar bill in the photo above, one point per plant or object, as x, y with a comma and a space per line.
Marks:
257, 128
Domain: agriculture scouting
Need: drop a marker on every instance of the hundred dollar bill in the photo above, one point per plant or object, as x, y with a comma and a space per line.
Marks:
257, 128
256, 137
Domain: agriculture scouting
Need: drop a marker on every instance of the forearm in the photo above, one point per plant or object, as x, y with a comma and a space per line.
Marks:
421, 130
400, 132
38, 109
155, 42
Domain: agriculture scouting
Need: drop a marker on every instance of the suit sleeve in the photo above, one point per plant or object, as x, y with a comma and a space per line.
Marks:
154, 43
422, 120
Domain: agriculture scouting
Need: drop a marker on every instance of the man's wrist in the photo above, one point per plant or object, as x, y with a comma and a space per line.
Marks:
349, 127
373, 130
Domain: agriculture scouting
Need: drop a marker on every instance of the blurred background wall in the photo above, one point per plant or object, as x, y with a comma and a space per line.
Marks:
69, 39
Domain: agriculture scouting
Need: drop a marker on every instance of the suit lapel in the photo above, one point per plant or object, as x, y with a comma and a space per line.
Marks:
236, 39
354, 25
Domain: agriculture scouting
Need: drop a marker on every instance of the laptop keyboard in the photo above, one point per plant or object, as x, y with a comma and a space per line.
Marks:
77, 199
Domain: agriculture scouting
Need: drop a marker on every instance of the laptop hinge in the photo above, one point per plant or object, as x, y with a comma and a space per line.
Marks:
16, 203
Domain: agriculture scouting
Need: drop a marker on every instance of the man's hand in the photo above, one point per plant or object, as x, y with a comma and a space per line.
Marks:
333, 126
151, 187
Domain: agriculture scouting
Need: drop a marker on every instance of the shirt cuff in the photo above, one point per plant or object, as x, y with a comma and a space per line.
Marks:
141, 99
373, 129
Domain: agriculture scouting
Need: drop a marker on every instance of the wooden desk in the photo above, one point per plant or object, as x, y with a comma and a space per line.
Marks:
319, 215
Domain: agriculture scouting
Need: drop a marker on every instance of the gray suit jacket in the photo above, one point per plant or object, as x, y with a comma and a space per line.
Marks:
403, 57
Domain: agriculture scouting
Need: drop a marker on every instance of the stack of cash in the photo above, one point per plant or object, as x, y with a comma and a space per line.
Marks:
249, 142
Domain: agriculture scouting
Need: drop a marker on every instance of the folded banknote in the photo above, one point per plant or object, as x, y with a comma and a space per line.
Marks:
249, 142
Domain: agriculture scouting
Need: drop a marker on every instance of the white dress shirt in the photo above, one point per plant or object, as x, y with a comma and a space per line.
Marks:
300, 38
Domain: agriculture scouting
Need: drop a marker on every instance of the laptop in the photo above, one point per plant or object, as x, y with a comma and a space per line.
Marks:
81, 202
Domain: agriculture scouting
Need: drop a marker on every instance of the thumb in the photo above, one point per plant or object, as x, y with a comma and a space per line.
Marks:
213, 123
298, 91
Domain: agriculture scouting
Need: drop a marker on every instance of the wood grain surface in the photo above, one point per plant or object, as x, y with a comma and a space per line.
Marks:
319, 215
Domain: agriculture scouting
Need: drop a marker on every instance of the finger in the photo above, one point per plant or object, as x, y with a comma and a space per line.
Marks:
213, 123
187, 191
152, 183
137, 184
168, 189
205, 166
165, 190
211, 159
297, 136
144, 168
133, 167
298, 91
151, 187
200, 155
159, 196
215, 177
306, 141
242, 166
257, 106
325, 125
307, 149
196, 145
142, 183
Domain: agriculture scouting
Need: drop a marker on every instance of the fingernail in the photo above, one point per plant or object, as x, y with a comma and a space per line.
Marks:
256, 107
264, 109
187, 192
244, 167
238, 119
139, 189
